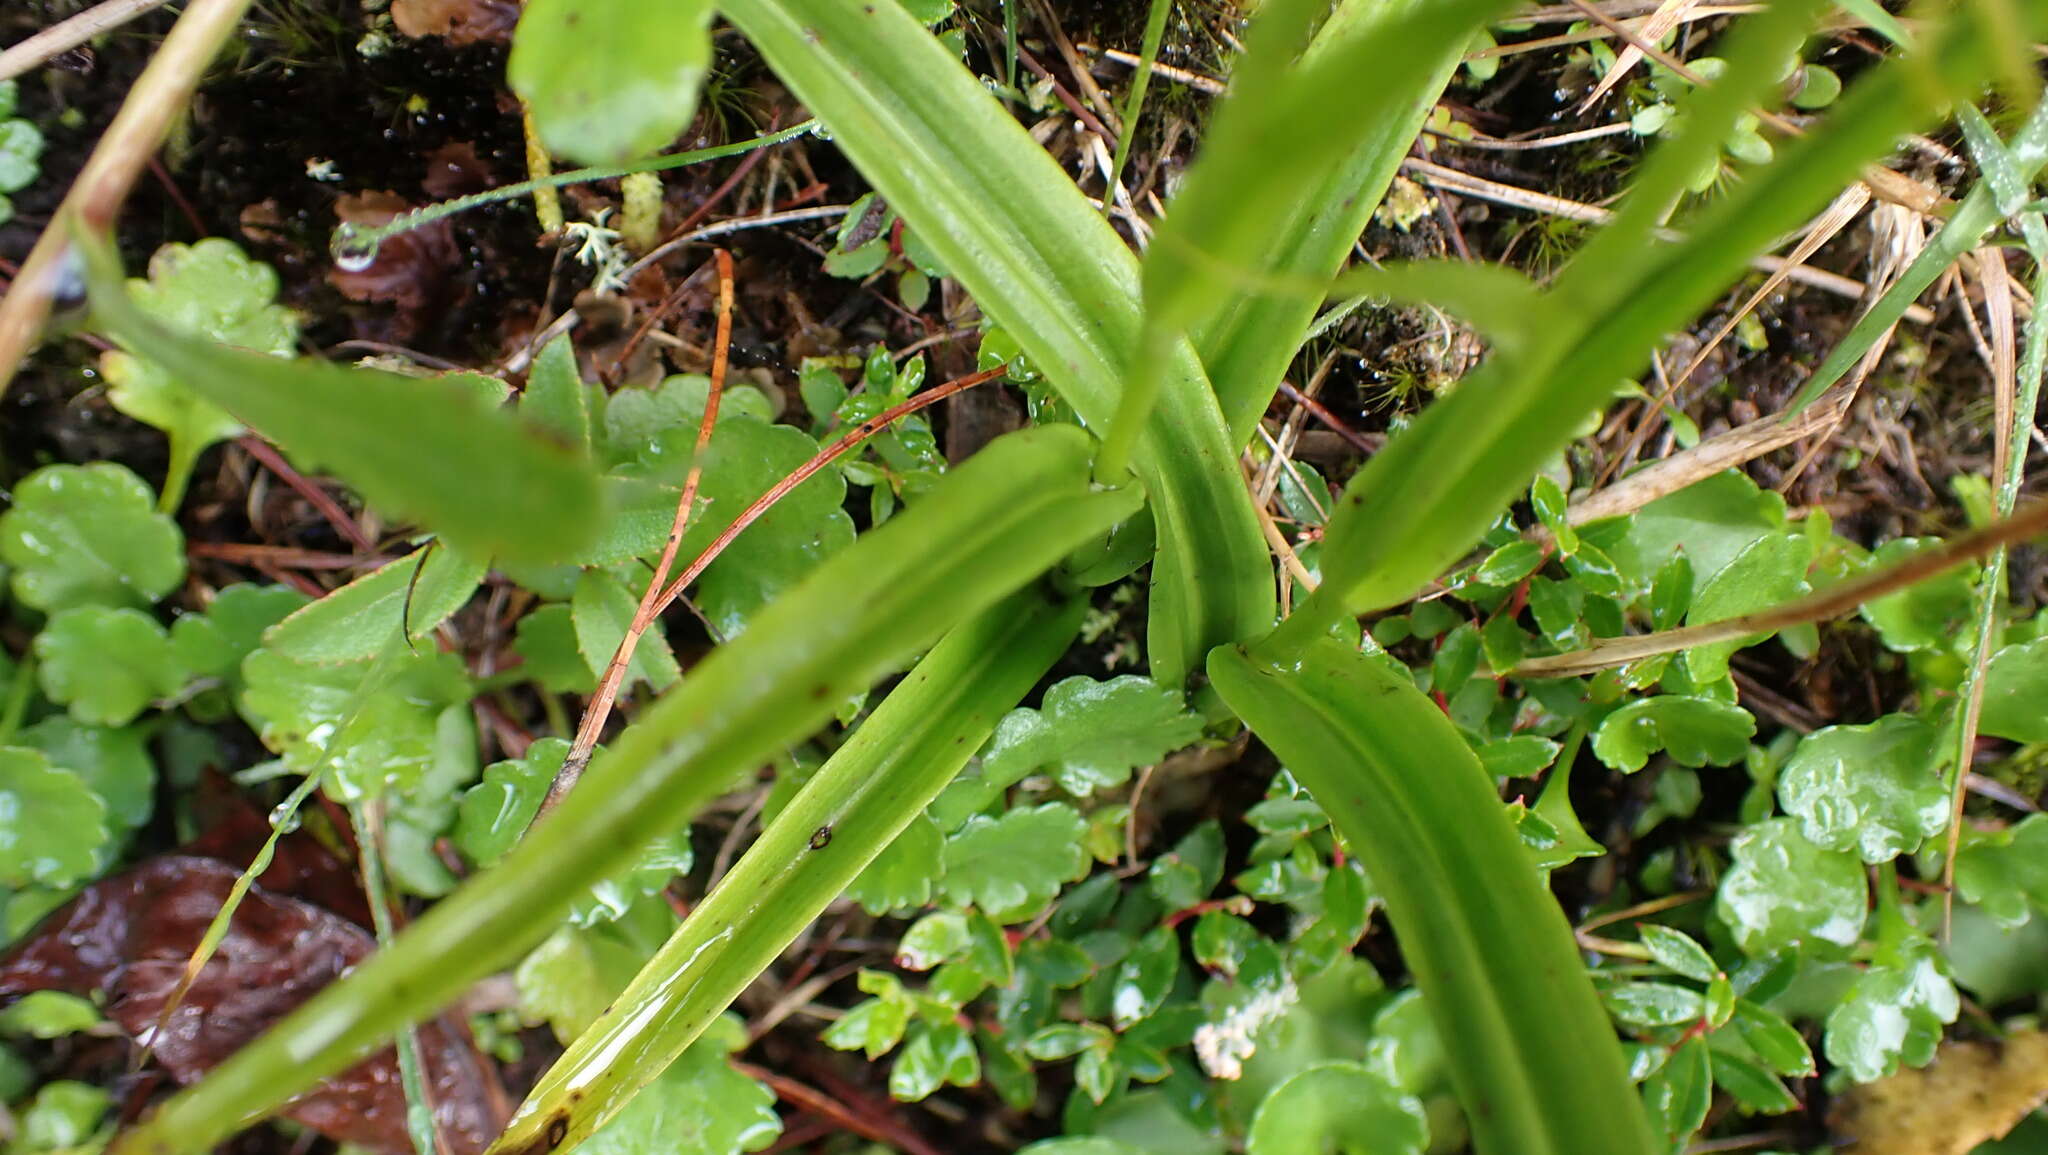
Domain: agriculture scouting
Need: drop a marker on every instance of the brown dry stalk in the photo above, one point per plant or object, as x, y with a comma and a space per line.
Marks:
804, 472
158, 98
600, 705
1830, 222
2030, 521
63, 37
1726, 450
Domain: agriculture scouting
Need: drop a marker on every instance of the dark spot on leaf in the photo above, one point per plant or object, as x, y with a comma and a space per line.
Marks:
821, 837
558, 1130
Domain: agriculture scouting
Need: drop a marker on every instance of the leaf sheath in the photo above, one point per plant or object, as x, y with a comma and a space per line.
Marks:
1530, 1050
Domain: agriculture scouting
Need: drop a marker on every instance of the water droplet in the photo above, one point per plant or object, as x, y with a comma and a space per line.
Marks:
353, 251
820, 131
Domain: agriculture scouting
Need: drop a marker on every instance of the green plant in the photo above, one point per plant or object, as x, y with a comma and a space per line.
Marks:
21, 149
1389, 798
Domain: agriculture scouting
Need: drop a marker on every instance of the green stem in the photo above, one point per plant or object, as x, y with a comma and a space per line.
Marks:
178, 475
17, 698
355, 246
2033, 361
419, 1111
1148, 54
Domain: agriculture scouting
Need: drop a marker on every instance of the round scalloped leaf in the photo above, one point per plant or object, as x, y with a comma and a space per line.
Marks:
2015, 691
386, 737
1090, 734
901, 877
51, 823
610, 82
213, 644
497, 810
1081, 1145
107, 665
2007, 871
1929, 614
89, 535
21, 151
209, 289
1783, 891
1694, 731
1894, 1013
699, 1106
114, 763
1012, 865
1873, 789
1338, 1106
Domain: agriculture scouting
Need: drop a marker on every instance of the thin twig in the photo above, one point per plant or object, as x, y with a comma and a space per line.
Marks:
594, 718
1336, 424
66, 35
600, 707
1445, 177
156, 101
808, 469
1835, 601
1832, 221
1736, 447
321, 501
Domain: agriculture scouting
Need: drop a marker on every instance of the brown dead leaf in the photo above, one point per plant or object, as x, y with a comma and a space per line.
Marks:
415, 270
128, 938
1971, 1093
459, 21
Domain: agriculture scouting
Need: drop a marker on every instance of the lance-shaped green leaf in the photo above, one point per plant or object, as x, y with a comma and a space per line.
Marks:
418, 447
1964, 230
1004, 219
865, 794
1489, 948
1283, 188
1423, 501
354, 623
989, 526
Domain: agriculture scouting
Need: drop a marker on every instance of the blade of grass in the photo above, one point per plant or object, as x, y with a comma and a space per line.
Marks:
1408, 51
1134, 103
991, 524
1530, 1051
1423, 501
1009, 224
859, 801
417, 447
1966, 228
2002, 175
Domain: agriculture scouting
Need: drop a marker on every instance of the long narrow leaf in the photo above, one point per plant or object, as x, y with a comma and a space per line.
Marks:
1244, 204
421, 448
991, 525
859, 801
1427, 497
1005, 221
1964, 230
1530, 1050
